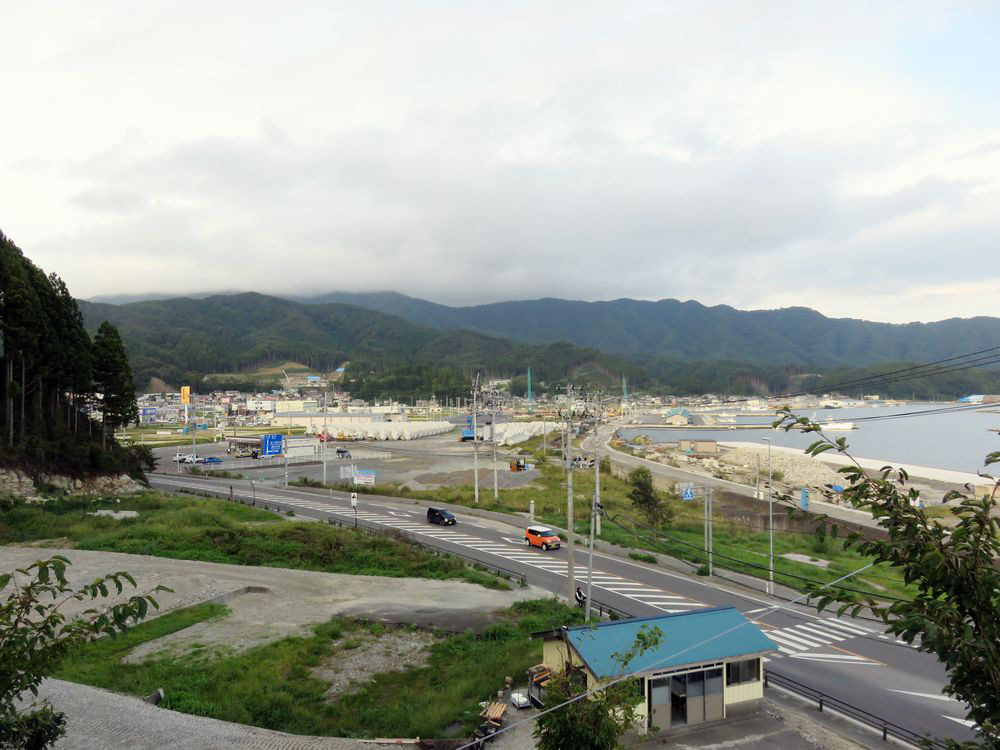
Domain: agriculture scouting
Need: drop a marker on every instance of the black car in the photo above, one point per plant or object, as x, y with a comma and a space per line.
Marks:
440, 516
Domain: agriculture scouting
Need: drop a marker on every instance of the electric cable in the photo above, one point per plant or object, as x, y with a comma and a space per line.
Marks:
659, 662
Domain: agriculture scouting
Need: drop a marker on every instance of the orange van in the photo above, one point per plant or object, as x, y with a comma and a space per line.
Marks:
541, 536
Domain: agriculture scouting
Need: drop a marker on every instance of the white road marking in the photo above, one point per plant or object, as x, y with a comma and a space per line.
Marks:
812, 634
791, 641
970, 724
932, 696
856, 630
837, 659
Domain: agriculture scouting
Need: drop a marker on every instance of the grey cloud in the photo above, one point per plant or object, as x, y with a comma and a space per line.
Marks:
111, 200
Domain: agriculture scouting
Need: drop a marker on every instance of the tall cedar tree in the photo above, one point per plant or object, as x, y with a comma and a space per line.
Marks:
113, 379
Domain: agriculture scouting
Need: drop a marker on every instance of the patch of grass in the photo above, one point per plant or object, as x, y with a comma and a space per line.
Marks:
99, 663
642, 557
272, 686
218, 473
218, 531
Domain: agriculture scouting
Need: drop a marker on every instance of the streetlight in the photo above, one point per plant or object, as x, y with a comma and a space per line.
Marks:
770, 523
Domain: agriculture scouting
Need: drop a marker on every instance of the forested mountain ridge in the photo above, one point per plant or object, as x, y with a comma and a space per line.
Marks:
184, 339
692, 331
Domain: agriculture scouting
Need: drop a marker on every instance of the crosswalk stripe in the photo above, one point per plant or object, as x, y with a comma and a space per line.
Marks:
853, 629
831, 632
814, 634
791, 641
643, 595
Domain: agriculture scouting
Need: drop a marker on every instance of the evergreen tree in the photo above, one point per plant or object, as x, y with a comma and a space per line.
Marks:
113, 379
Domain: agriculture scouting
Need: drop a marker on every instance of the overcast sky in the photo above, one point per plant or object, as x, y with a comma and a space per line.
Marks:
843, 156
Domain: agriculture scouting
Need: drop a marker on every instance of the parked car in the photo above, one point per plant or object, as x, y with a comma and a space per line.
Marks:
343, 453
440, 516
541, 536
211, 460
185, 458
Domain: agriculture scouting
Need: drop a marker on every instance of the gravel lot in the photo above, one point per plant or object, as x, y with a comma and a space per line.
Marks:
280, 602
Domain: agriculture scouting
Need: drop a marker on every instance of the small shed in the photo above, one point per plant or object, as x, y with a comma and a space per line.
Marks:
708, 663
677, 417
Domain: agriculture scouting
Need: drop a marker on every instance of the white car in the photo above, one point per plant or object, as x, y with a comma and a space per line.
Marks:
186, 458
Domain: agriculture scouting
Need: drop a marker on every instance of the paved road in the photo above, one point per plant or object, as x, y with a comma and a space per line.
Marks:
846, 658
681, 475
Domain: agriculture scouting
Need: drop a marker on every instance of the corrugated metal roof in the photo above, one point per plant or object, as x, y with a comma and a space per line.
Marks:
703, 635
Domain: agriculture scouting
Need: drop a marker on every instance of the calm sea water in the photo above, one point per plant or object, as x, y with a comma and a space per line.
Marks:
957, 441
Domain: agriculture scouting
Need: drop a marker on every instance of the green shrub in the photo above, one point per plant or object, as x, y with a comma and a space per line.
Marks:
642, 557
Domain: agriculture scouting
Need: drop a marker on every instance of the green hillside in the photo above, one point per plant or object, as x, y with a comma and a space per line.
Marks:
687, 331
719, 350
183, 340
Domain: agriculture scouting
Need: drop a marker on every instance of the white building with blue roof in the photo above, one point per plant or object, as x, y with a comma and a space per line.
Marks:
706, 666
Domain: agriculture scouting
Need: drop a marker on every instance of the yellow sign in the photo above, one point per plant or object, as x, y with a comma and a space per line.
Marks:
185, 394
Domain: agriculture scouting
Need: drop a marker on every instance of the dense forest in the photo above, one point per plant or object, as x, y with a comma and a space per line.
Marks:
689, 331
52, 372
183, 340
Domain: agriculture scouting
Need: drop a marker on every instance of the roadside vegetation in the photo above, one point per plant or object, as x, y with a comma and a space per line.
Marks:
662, 523
189, 528
274, 686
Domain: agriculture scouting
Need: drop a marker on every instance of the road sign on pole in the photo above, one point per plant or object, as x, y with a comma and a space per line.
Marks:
688, 493
804, 502
272, 444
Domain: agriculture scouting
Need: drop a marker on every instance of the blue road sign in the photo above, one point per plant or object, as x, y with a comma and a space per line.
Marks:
271, 445
804, 502
688, 493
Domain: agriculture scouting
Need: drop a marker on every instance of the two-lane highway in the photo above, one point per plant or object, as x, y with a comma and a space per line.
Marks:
846, 658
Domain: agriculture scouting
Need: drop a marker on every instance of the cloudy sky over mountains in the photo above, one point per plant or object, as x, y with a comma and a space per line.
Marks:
840, 156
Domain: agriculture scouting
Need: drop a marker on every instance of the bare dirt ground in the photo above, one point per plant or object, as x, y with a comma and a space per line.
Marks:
506, 479
360, 655
268, 604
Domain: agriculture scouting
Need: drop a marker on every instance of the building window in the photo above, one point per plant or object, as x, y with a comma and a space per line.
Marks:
739, 672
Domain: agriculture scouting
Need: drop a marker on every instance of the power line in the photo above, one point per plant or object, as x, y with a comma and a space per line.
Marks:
659, 662
881, 378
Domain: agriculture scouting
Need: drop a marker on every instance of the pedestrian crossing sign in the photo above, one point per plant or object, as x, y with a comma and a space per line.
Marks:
688, 493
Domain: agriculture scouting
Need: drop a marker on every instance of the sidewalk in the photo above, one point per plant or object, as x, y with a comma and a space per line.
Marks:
101, 719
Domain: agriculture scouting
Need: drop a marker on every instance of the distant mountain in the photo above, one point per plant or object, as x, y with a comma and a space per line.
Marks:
184, 339
125, 299
684, 331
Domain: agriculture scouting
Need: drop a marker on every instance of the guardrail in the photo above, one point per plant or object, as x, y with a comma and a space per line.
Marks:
604, 610
823, 701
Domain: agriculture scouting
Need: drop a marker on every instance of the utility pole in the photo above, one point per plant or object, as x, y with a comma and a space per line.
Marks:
493, 439
770, 523
326, 437
475, 436
597, 479
570, 540
595, 513
708, 527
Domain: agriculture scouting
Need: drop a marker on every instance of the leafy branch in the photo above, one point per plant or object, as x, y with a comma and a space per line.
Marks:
954, 572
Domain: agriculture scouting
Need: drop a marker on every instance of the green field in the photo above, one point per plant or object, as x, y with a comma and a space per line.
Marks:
272, 686
189, 528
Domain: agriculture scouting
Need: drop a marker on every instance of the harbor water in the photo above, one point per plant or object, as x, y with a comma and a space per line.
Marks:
958, 441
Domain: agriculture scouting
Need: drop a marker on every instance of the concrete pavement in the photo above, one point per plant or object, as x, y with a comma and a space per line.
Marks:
845, 658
